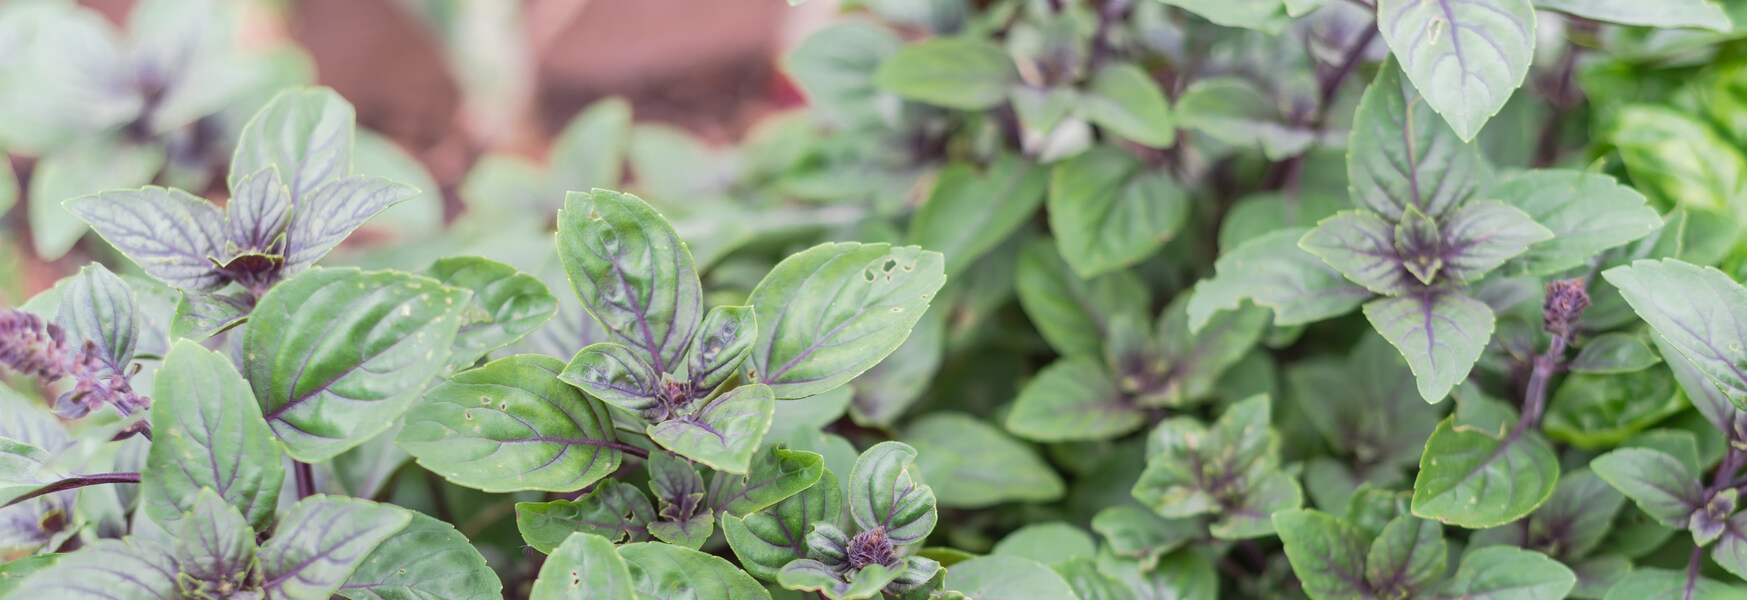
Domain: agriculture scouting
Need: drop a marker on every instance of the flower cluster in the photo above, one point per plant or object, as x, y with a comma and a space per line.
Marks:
36, 348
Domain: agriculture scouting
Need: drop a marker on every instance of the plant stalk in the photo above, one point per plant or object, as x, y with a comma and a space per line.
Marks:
305, 475
76, 482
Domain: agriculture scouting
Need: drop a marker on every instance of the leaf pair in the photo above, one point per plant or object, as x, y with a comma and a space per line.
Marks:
1077, 398
1336, 560
292, 200
817, 320
1230, 471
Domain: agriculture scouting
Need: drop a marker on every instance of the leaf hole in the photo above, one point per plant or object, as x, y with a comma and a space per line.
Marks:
1436, 29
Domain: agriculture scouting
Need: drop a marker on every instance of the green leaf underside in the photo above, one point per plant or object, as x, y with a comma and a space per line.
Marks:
1465, 56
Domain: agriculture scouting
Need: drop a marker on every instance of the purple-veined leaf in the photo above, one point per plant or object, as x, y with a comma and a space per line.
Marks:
1407, 556
1648, 583
632, 273
511, 425
1361, 245
506, 305
809, 575
321, 540
1402, 154
885, 493
835, 310
1587, 213
969, 212
200, 316
336, 355
130, 568
671, 572
210, 434
724, 339
1480, 236
172, 235
428, 559
1472, 479
215, 546
1073, 399
689, 532
1705, 14
1006, 577
1326, 553
305, 133
1072, 313
617, 375
323, 218
1731, 548
617, 511
1660, 484
586, 566
1704, 395
1272, 271
1441, 332
257, 214
722, 433
777, 474
1465, 56
766, 540
1419, 245
100, 307
1695, 311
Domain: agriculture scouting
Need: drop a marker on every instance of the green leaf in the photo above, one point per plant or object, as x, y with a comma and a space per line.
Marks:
617, 511
1599, 411
814, 303
306, 133
200, 316
884, 393
1232, 110
511, 426
215, 546
1361, 245
1587, 213
1229, 470
1049, 543
89, 167
723, 433
1678, 159
1465, 57
670, 572
209, 434
1327, 554
323, 397
1267, 16
169, 233
1126, 100
1471, 479
617, 375
1274, 272
1693, 308
1073, 399
507, 304
590, 152
767, 540
1731, 548
321, 540
1401, 153
969, 212
585, 566
632, 273
1138, 533
125, 568
1662, 584
1407, 556
809, 575
1440, 332
1614, 353
689, 533
1659, 484
1088, 582
1197, 360
1108, 210
1072, 312
1419, 245
1006, 578
834, 69
13, 574
1480, 236
884, 492
724, 340
1504, 573
961, 73
100, 307
1365, 407
427, 559
776, 475
1185, 574
1671, 14
327, 215
972, 464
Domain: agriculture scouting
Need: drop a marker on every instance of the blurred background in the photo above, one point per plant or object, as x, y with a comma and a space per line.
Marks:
443, 84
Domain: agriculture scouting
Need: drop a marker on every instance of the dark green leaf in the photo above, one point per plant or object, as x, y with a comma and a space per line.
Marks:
321, 540
1471, 479
973, 464
1073, 313
585, 566
670, 572
1657, 482
776, 475
1125, 99
1408, 555
1138, 533
1600, 411
884, 492
1274, 272
969, 211
1587, 213
614, 510
1663, 584
688, 533
722, 433
1327, 555
617, 375
506, 305
1073, 399
209, 435
1366, 407
1402, 154
428, 559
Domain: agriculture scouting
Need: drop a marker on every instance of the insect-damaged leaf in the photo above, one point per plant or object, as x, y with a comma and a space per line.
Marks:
632, 273
1466, 57
585, 566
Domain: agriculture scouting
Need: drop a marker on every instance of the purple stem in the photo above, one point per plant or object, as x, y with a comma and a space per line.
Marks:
77, 482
